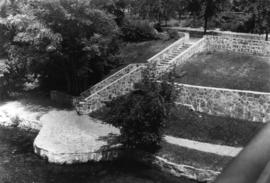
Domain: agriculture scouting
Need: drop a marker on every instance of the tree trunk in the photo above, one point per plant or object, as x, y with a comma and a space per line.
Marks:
205, 25
266, 35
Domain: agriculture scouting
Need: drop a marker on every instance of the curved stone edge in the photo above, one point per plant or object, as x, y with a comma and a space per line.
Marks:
71, 158
182, 170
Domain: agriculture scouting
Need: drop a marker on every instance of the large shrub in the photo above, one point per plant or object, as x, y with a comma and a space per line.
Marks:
141, 115
138, 30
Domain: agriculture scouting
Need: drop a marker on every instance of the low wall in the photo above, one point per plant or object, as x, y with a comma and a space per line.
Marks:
121, 82
197, 47
164, 54
109, 79
245, 45
246, 105
197, 32
119, 87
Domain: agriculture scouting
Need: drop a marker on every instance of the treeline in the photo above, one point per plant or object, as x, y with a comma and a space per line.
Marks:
72, 44
252, 16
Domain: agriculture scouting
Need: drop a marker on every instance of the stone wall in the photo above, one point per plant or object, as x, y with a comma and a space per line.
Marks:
246, 105
109, 79
164, 54
117, 88
245, 44
197, 32
198, 47
119, 83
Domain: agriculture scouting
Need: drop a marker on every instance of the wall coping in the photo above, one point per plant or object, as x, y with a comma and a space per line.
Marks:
216, 31
186, 36
187, 50
223, 89
115, 81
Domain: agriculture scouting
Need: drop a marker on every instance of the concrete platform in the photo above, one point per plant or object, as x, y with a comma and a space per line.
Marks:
67, 138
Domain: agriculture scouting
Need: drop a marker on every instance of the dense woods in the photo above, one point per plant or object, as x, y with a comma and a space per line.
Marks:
71, 44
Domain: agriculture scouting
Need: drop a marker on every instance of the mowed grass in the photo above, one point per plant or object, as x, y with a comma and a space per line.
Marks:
142, 51
227, 70
185, 123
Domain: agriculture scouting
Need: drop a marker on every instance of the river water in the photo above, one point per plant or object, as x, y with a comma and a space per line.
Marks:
18, 164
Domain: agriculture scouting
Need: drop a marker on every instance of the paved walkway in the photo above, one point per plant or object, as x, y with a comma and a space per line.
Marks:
221, 150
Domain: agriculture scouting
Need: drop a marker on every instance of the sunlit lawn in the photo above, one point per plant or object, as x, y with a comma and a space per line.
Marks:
227, 70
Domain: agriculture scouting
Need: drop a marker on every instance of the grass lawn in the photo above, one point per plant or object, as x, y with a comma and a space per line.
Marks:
202, 160
192, 125
140, 52
227, 70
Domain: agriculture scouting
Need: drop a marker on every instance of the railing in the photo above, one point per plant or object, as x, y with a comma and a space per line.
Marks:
183, 57
178, 44
109, 80
121, 82
117, 88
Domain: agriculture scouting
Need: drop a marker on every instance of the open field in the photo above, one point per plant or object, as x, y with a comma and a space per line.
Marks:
227, 70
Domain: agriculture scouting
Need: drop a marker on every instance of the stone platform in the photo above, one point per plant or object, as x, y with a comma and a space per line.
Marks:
67, 138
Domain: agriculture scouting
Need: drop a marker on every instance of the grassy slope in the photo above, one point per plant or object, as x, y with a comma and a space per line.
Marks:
197, 126
227, 70
140, 52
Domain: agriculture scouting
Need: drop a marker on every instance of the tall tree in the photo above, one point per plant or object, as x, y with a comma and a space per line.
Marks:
210, 8
262, 13
66, 42
206, 8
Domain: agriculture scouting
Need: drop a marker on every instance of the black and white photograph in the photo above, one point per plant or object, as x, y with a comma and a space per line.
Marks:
134, 91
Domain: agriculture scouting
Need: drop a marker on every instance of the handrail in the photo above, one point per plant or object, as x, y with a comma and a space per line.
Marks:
108, 78
187, 50
141, 66
167, 48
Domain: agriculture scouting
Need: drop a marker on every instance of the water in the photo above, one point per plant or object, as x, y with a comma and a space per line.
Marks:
18, 164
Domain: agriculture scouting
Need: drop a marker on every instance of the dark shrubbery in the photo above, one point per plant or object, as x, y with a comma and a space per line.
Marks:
174, 34
141, 115
138, 30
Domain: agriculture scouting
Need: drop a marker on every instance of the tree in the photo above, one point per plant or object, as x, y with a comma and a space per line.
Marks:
115, 7
210, 8
206, 8
141, 115
65, 43
262, 14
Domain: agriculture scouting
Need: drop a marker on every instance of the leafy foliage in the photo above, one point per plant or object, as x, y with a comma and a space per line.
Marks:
141, 115
65, 43
138, 30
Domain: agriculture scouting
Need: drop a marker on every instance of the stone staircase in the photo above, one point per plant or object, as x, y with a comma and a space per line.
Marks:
122, 81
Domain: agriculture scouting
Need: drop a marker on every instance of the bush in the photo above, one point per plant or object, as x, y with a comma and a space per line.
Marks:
141, 115
174, 34
138, 30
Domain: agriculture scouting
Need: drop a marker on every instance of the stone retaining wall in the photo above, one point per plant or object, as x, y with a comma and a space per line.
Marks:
197, 32
246, 105
169, 50
119, 83
183, 57
198, 47
245, 44
109, 79
119, 87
